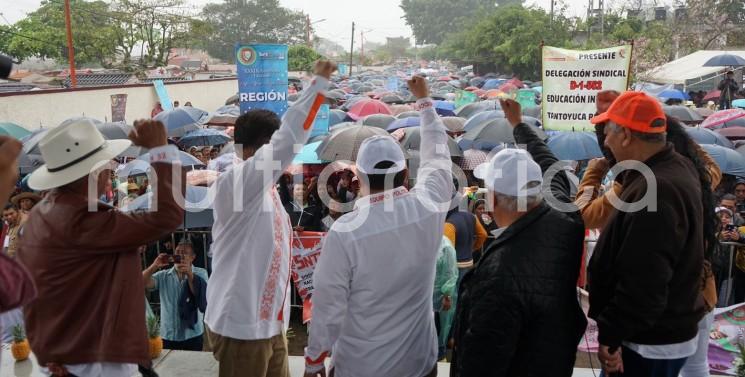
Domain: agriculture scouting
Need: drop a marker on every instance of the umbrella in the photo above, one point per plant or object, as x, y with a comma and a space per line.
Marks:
232, 100
472, 158
469, 110
492, 84
408, 114
345, 143
308, 155
682, 113
27, 163
13, 130
534, 111
729, 161
398, 109
476, 81
725, 60
119, 131
732, 133
336, 116
181, 120
198, 212
413, 139
454, 124
673, 94
538, 89
142, 164
225, 116
493, 93
404, 123
483, 117
115, 130
739, 103
335, 95
707, 136
739, 122
444, 78
713, 95
78, 119
367, 107
31, 142
721, 117
391, 98
445, 105
203, 137
704, 112
493, 133
570, 145
378, 120
471, 88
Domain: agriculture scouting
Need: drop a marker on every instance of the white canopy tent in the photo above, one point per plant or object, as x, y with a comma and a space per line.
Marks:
688, 70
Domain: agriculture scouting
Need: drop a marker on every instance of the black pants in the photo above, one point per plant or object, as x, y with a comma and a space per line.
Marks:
193, 344
725, 104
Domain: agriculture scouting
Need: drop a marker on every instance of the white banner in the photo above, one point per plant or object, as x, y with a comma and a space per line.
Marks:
572, 79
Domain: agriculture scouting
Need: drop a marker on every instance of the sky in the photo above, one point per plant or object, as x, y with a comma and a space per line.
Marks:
378, 19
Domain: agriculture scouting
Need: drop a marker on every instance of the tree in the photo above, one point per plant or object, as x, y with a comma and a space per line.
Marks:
42, 33
709, 23
302, 58
255, 21
511, 38
433, 20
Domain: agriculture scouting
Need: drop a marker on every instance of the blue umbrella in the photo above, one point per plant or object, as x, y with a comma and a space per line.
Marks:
445, 105
476, 81
482, 117
729, 161
707, 136
492, 84
336, 116
739, 103
308, 155
141, 165
181, 120
538, 89
203, 137
673, 94
403, 123
570, 145
725, 60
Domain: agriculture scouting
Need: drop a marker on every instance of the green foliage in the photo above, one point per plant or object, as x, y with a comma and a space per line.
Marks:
42, 33
19, 333
255, 21
432, 21
302, 58
511, 38
153, 327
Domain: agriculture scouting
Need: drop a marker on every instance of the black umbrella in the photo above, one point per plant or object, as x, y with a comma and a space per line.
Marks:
391, 98
345, 143
683, 113
494, 132
413, 139
725, 60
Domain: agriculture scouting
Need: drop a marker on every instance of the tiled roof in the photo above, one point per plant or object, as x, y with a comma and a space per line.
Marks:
164, 79
15, 87
100, 79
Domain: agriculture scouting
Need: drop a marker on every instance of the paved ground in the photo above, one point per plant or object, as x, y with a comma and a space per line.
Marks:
184, 363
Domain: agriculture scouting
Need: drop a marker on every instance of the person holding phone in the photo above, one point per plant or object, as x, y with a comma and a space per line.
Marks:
176, 332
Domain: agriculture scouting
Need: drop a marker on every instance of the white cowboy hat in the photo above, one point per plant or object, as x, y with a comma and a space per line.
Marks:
72, 151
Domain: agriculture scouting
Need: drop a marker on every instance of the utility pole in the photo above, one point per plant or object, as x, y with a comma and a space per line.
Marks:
307, 30
70, 47
351, 52
362, 47
551, 22
602, 19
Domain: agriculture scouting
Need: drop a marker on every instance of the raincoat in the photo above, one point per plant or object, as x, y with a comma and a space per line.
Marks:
446, 277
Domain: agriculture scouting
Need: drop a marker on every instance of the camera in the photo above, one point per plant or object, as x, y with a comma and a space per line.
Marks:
171, 259
730, 227
6, 64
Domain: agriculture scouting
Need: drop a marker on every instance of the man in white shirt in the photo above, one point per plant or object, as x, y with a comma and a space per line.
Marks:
372, 298
248, 291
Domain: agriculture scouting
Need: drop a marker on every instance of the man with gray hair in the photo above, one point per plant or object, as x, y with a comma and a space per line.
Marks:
521, 299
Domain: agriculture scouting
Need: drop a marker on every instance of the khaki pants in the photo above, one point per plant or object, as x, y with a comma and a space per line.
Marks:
255, 358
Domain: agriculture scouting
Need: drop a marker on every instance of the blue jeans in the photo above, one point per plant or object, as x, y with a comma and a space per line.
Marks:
634, 365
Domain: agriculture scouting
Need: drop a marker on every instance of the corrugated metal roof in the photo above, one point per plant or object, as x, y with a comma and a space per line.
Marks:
164, 79
15, 87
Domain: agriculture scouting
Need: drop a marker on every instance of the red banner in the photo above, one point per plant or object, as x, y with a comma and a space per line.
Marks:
306, 249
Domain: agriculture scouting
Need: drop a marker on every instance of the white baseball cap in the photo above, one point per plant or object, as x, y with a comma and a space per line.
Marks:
511, 172
377, 149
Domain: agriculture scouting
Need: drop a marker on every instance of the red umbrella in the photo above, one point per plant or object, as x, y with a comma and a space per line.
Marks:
714, 94
444, 78
479, 92
508, 87
516, 82
721, 117
732, 133
367, 107
471, 89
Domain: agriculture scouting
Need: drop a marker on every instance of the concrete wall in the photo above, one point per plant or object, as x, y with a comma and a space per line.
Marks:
49, 108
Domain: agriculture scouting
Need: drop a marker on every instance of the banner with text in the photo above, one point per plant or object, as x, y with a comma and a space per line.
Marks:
262, 77
306, 249
572, 79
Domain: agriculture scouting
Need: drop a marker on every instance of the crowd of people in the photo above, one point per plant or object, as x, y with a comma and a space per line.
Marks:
486, 279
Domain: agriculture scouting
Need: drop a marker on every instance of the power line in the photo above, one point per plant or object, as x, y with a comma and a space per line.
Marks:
30, 38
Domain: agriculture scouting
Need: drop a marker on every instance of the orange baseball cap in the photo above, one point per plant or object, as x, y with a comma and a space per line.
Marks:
636, 111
